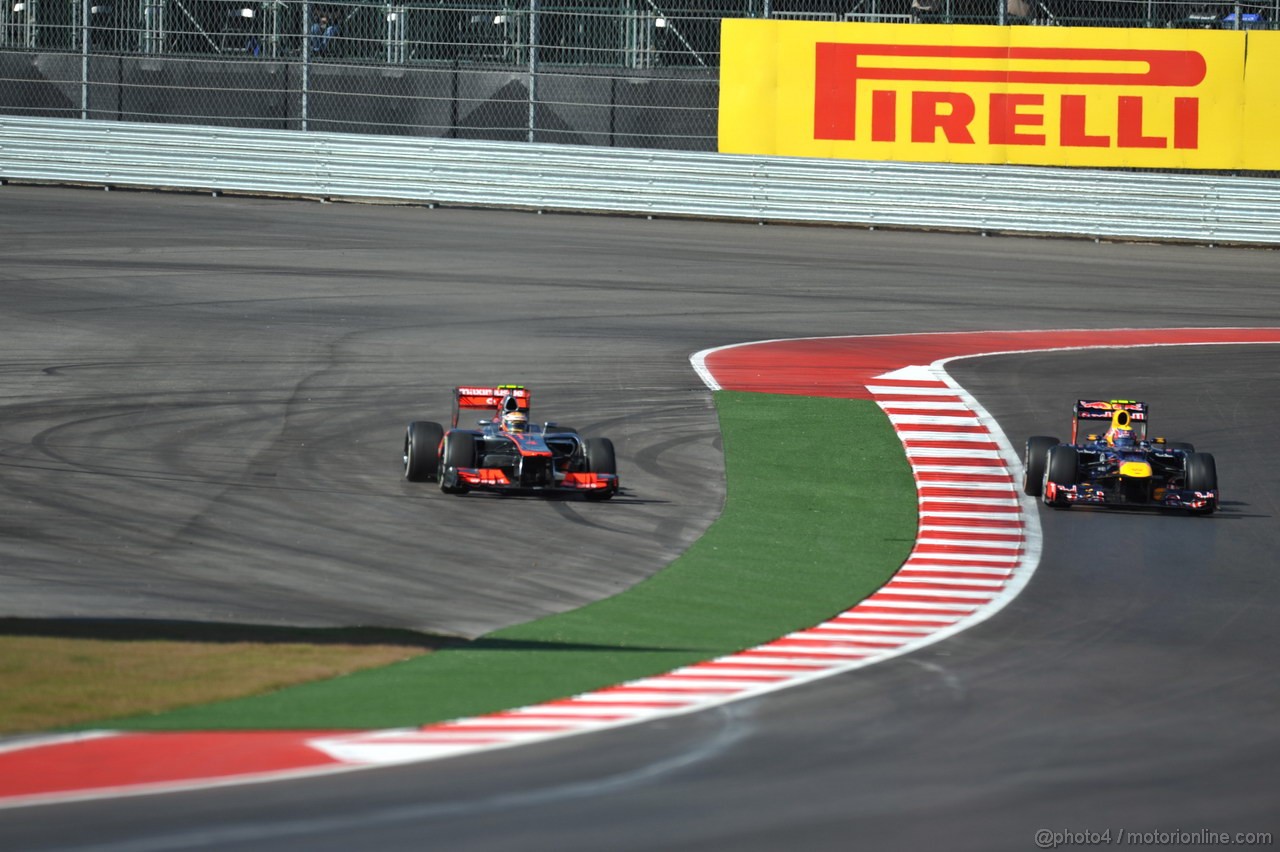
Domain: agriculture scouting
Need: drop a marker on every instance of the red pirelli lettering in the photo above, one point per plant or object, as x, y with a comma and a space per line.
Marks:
1073, 132
1013, 116
1007, 116
950, 112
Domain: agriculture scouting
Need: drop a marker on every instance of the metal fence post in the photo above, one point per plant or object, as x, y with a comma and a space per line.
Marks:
84, 59
306, 59
533, 68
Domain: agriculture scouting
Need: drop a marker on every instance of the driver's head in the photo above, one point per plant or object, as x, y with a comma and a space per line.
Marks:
1121, 432
515, 421
1122, 439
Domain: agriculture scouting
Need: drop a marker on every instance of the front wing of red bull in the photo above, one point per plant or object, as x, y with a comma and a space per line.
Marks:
1091, 493
1112, 461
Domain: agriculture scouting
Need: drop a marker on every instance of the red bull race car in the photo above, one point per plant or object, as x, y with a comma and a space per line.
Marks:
1111, 461
507, 453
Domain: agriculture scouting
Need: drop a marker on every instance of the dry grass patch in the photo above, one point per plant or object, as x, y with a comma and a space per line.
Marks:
55, 681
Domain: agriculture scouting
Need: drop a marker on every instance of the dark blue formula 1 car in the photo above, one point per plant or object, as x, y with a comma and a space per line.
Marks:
508, 453
1120, 466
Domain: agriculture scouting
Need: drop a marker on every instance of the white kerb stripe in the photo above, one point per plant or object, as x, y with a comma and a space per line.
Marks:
876, 600
950, 452
953, 542
931, 420
975, 530
938, 404
967, 437
954, 581
909, 586
897, 617
882, 390
966, 485
965, 513
955, 570
965, 557
981, 470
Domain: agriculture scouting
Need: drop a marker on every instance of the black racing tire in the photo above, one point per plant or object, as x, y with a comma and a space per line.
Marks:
600, 456
1061, 468
422, 451
1202, 475
459, 450
1033, 462
601, 459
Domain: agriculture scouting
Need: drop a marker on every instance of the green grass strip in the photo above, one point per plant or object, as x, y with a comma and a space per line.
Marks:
820, 511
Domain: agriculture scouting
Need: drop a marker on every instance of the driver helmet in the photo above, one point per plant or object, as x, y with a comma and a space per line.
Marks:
1121, 437
515, 421
1124, 440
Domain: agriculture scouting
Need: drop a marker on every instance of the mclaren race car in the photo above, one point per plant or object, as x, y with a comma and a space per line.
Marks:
507, 453
1118, 464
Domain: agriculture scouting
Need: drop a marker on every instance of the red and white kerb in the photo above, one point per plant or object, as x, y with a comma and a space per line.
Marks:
977, 545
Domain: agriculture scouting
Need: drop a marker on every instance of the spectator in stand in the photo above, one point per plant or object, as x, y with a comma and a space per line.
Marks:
323, 32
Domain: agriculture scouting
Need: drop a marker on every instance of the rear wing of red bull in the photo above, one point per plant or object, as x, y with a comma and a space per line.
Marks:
496, 398
1094, 417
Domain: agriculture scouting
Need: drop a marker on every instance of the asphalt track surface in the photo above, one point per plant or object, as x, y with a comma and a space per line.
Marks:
159, 351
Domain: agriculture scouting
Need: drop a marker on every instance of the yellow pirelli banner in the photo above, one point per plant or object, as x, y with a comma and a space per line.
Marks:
1193, 99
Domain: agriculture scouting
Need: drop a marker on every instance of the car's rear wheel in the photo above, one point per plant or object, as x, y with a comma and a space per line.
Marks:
1033, 462
601, 459
422, 451
1061, 468
459, 451
1202, 475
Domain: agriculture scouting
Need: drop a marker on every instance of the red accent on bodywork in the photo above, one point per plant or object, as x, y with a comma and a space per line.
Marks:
529, 445
589, 480
472, 396
483, 476
493, 398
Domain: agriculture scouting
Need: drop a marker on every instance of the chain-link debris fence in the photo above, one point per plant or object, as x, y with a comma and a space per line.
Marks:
635, 73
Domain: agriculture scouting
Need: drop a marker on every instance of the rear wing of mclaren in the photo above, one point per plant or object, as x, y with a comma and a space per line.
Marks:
1094, 417
495, 398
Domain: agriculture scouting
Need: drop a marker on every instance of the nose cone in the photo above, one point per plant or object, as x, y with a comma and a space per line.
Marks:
1136, 470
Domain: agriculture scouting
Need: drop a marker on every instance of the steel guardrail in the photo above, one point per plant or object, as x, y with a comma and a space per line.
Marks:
994, 199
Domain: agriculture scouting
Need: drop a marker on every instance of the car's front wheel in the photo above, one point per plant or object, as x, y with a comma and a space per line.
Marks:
1033, 462
1061, 468
1202, 475
601, 459
422, 451
459, 450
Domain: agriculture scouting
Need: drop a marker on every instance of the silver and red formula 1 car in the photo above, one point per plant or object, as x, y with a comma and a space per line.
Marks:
1120, 466
507, 453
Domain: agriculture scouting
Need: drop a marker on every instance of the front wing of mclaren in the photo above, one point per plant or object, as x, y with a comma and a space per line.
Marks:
499, 479
533, 462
